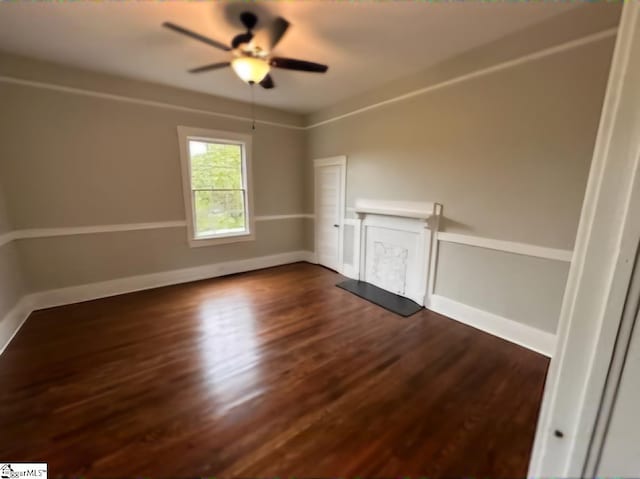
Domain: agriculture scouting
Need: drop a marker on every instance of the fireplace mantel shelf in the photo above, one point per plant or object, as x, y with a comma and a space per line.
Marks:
405, 209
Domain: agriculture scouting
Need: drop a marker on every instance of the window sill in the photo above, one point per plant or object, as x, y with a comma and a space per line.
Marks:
218, 240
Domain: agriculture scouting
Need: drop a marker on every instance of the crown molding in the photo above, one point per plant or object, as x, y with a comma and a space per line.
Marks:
579, 42
139, 101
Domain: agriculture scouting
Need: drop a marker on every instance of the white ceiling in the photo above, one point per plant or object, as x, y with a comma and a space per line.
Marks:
365, 44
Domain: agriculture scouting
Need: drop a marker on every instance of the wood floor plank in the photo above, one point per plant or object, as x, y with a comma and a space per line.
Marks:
270, 373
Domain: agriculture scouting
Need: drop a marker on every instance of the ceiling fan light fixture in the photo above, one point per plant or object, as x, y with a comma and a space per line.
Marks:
250, 69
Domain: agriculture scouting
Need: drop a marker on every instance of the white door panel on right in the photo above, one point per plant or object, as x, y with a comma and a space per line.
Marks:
621, 451
327, 221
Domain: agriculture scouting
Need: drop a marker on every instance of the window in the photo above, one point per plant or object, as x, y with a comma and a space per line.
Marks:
216, 182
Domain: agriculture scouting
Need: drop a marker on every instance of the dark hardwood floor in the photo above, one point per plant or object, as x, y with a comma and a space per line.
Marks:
270, 373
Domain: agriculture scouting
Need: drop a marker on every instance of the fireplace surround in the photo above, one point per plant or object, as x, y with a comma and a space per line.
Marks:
397, 242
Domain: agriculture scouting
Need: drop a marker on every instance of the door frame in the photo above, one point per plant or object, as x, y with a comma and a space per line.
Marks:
340, 161
599, 278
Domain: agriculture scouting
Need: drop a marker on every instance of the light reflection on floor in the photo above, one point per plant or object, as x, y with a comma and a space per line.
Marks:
228, 348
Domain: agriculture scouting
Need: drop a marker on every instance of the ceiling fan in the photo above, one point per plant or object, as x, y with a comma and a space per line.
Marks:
252, 63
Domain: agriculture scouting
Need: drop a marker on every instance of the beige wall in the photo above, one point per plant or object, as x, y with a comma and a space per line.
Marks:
91, 161
58, 262
507, 154
80, 160
523, 288
5, 224
12, 286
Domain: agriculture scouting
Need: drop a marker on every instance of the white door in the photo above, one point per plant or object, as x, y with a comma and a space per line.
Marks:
329, 198
620, 455
620, 430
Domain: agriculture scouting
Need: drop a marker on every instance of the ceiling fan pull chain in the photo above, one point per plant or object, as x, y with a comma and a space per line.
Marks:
253, 109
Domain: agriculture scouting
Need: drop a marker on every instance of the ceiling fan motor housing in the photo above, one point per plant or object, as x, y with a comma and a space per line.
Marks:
249, 20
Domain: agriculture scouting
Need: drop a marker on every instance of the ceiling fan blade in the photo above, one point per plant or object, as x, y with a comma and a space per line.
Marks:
267, 82
196, 36
300, 65
277, 30
212, 66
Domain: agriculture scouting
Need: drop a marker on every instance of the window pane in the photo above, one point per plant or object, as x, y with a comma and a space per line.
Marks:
219, 212
215, 165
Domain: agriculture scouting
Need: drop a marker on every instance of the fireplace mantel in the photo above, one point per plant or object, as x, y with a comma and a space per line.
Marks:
405, 209
396, 241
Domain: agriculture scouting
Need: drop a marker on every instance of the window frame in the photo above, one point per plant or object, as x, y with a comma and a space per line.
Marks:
185, 134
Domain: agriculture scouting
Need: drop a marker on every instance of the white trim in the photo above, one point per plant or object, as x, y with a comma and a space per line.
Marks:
7, 238
138, 101
352, 270
310, 257
34, 233
84, 230
86, 292
526, 336
284, 217
244, 141
11, 323
340, 161
507, 246
434, 227
331, 161
513, 331
405, 209
351, 221
15, 318
586, 40
531, 338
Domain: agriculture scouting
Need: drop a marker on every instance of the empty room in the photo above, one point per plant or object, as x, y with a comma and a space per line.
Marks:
319, 239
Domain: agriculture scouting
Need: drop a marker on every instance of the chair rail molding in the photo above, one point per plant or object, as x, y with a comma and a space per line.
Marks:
34, 233
525, 249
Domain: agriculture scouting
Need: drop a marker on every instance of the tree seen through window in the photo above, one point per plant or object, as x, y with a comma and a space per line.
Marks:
218, 187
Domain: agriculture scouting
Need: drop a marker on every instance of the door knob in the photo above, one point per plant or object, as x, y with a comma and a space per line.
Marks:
336, 226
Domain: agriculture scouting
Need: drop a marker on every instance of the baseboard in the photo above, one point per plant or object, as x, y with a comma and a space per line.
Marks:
11, 323
310, 257
535, 339
14, 319
349, 271
527, 336
87, 292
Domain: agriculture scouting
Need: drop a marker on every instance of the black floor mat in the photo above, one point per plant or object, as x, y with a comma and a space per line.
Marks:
392, 302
